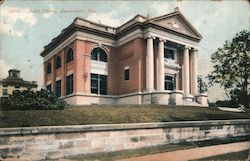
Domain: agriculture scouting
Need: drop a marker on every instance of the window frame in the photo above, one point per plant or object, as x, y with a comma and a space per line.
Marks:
58, 63
172, 82
5, 90
173, 57
69, 84
69, 55
126, 74
17, 88
58, 91
102, 84
48, 68
49, 88
99, 54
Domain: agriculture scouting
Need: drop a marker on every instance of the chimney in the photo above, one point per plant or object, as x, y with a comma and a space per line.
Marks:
176, 9
14, 73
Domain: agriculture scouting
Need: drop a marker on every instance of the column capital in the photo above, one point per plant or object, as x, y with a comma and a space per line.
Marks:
161, 39
148, 36
195, 49
187, 47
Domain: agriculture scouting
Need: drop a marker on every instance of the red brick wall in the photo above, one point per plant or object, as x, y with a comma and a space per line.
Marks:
132, 54
79, 68
48, 77
58, 73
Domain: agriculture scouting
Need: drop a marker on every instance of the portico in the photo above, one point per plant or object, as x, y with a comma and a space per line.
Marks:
189, 67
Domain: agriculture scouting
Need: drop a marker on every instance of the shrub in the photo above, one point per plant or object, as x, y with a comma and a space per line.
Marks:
30, 100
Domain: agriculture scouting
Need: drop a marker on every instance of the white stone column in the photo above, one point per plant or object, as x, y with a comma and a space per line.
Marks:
194, 72
150, 65
186, 71
160, 74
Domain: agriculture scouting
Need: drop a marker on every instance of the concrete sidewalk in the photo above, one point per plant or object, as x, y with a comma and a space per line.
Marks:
197, 153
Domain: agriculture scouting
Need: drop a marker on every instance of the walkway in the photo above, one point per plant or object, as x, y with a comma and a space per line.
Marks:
183, 155
197, 153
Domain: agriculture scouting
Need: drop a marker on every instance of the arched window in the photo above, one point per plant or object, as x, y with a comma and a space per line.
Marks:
58, 62
69, 56
48, 68
99, 55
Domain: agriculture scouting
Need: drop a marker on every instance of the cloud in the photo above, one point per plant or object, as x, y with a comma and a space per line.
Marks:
48, 13
160, 8
4, 68
108, 19
10, 16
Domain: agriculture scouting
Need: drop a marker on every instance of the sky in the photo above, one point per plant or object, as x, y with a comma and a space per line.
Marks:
27, 26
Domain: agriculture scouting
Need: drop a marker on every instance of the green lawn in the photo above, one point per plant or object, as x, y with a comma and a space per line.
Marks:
82, 115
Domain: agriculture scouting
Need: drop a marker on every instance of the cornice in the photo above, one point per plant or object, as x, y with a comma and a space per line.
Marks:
114, 34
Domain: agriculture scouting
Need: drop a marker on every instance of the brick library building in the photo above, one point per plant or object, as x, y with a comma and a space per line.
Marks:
144, 61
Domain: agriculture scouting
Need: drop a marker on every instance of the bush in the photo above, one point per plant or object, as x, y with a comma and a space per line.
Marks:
30, 100
227, 103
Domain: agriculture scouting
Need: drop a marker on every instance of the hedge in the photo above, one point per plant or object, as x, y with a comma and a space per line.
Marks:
30, 100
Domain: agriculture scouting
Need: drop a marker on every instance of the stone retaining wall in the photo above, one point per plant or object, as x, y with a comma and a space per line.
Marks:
49, 142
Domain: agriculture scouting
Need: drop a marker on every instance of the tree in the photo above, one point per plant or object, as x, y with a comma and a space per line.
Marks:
202, 86
232, 67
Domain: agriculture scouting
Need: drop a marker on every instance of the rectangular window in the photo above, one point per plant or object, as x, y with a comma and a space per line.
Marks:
126, 74
98, 84
94, 83
103, 84
170, 82
5, 90
69, 84
58, 88
169, 53
17, 88
49, 88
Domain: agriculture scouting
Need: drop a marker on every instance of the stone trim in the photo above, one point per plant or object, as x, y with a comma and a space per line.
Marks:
114, 127
89, 95
177, 91
115, 34
170, 37
201, 95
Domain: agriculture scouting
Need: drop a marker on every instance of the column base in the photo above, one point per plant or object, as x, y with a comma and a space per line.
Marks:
176, 97
188, 97
149, 90
202, 99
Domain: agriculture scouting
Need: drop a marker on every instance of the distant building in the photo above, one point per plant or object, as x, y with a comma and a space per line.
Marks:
14, 82
144, 61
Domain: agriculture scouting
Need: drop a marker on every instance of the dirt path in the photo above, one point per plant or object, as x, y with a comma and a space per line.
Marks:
197, 153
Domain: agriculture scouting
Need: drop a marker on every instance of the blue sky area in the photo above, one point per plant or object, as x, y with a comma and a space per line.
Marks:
27, 26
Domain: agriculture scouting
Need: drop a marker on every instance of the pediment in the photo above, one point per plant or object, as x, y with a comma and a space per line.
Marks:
176, 23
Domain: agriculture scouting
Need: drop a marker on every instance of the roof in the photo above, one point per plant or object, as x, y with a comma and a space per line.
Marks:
139, 21
15, 70
178, 13
18, 81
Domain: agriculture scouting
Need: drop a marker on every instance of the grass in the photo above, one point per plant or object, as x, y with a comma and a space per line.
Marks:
82, 115
153, 150
237, 156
